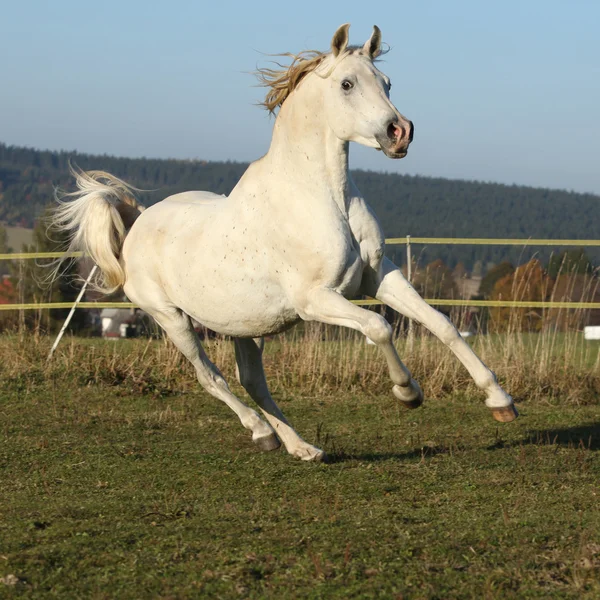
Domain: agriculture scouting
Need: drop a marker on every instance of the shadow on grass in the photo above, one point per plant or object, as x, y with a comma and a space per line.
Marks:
581, 436
372, 457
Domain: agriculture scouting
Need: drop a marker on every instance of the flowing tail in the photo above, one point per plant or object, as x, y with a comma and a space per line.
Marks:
97, 217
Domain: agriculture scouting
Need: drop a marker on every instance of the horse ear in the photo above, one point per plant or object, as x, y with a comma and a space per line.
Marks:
340, 39
373, 45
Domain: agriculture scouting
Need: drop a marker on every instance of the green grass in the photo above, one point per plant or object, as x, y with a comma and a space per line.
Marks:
109, 494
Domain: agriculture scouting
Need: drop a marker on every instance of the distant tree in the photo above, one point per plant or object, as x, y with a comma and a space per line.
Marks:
574, 287
3, 240
3, 250
6, 288
32, 281
7, 296
435, 281
527, 282
492, 276
569, 262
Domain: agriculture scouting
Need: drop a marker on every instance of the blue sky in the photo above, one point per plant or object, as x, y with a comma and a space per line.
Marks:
505, 91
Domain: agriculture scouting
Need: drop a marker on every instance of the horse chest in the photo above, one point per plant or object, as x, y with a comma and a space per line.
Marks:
342, 266
351, 275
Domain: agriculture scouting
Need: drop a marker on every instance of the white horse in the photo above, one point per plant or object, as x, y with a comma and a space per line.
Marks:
294, 240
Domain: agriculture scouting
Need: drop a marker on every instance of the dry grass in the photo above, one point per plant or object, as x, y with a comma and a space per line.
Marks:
549, 366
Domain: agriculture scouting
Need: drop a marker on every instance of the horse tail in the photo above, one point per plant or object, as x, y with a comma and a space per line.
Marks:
96, 218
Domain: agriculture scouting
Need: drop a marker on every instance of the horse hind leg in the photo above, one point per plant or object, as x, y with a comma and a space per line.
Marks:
251, 375
178, 327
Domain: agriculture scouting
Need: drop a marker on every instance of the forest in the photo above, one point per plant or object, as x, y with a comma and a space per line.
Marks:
405, 204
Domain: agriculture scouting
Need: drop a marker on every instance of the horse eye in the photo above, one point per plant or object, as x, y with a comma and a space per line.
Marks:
347, 85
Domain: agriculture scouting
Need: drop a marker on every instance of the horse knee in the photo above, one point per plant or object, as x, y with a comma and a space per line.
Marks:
379, 330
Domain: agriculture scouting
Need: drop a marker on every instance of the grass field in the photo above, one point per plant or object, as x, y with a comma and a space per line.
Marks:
124, 480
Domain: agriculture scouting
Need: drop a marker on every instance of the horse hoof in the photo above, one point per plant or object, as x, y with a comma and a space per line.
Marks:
411, 396
319, 457
266, 443
505, 414
309, 453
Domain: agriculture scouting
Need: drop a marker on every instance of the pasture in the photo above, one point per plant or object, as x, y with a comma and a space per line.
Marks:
122, 478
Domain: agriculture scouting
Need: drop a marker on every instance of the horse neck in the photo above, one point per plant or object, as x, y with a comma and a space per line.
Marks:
305, 151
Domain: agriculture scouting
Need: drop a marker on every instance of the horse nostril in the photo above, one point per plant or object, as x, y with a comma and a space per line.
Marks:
397, 132
392, 131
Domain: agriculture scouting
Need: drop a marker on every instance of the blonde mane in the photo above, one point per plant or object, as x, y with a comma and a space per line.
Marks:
283, 81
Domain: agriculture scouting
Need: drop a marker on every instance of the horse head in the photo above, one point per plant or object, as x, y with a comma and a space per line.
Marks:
357, 102
345, 85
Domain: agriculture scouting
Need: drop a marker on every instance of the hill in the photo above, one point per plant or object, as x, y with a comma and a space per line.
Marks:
415, 205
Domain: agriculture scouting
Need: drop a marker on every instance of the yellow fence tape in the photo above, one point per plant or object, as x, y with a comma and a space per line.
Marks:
28, 255
497, 303
491, 241
390, 241
51, 305
433, 301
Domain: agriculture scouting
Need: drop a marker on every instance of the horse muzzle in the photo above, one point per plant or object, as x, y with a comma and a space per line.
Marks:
396, 139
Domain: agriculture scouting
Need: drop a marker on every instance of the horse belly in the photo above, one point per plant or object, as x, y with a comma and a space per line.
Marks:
228, 297
227, 311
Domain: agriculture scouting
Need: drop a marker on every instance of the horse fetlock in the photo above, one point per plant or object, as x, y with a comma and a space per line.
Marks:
252, 421
498, 398
489, 383
410, 395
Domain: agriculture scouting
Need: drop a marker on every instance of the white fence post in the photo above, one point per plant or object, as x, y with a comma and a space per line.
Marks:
72, 312
411, 332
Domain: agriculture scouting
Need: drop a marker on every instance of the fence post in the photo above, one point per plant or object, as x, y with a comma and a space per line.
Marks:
21, 298
72, 312
410, 337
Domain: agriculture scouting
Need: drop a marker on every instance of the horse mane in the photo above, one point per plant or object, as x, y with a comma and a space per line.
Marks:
283, 81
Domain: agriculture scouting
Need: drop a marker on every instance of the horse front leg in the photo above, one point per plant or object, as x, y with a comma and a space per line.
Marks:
395, 291
327, 306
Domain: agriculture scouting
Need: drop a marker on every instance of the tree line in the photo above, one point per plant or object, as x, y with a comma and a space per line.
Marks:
405, 204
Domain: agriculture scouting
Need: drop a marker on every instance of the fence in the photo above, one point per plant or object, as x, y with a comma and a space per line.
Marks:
408, 241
